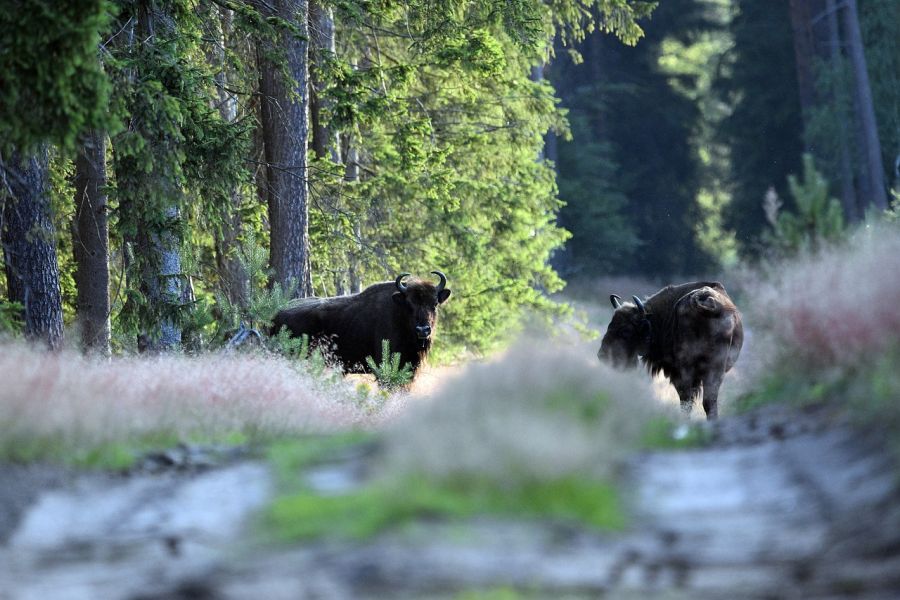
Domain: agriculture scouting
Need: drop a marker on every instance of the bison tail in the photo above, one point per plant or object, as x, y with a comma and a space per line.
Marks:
708, 301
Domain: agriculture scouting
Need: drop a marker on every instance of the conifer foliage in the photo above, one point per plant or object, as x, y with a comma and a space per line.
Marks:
184, 126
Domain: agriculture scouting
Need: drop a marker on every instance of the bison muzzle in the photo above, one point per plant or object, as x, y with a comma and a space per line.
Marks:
351, 328
692, 333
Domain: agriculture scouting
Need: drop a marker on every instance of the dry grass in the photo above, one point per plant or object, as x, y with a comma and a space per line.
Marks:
81, 400
839, 307
541, 412
826, 327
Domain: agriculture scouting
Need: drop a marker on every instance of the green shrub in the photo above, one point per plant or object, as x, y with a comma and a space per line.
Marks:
10, 318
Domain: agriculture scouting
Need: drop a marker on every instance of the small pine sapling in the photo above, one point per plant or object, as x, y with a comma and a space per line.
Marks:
389, 374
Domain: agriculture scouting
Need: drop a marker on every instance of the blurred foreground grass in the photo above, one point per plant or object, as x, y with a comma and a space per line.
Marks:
378, 506
501, 439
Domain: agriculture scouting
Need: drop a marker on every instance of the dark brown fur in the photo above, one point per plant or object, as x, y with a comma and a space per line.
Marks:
352, 327
692, 333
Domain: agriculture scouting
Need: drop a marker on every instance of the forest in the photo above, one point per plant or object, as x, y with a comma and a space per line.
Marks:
174, 168
173, 173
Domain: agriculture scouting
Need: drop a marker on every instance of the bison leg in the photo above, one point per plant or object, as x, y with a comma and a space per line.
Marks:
711, 386
686, 393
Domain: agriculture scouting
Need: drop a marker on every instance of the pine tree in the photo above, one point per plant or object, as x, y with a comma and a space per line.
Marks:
45, 97
32, 273
90, 243
232, 271
285, 124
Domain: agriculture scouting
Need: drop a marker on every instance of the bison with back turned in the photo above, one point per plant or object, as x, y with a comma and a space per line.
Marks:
692, 333
352, 327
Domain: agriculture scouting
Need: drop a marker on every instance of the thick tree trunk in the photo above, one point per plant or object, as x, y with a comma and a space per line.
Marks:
29, 248
285, 102
874, 172
161, 282
90, 243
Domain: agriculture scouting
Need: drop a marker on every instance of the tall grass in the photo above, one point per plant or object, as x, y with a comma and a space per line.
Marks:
536, 433
541, 412
65, 402
838, 306
826, 326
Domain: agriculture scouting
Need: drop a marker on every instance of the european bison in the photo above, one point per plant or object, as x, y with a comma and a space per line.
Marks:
403, 313
691, 332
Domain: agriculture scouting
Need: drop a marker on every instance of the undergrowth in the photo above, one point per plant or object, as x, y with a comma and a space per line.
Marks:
388, 373
502, 439
92, 412
827, 325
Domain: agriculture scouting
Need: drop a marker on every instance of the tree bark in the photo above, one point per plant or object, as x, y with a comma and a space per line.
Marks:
285, 103
32, 270
90, 244
874, 172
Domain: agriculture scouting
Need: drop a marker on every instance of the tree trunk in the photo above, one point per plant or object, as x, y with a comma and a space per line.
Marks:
32, 270
874, 172
90, 244
157, 244
321, 36
351, 174
848, 192
804, 52
285, 133
233, 276
325, 141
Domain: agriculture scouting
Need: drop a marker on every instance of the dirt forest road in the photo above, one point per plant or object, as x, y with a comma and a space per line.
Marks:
782, 505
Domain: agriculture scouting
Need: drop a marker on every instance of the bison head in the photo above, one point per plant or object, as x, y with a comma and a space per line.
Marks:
628, 334
418, 302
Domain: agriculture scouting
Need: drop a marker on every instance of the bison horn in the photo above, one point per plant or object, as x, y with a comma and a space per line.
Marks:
400, 285
639, 304
616, 301
443, 280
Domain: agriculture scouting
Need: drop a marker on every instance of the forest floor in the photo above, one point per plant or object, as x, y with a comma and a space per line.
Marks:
783, 503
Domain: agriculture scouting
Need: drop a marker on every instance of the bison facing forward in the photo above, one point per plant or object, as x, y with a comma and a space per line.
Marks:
353, 327
691, 332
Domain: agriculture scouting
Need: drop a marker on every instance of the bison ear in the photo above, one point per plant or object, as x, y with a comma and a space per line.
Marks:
443, 295
645, 329
399, 298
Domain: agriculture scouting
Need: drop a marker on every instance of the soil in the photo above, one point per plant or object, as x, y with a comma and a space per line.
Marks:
782, 504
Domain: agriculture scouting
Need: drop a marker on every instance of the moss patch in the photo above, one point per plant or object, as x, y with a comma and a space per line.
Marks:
381, 505
78, 451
